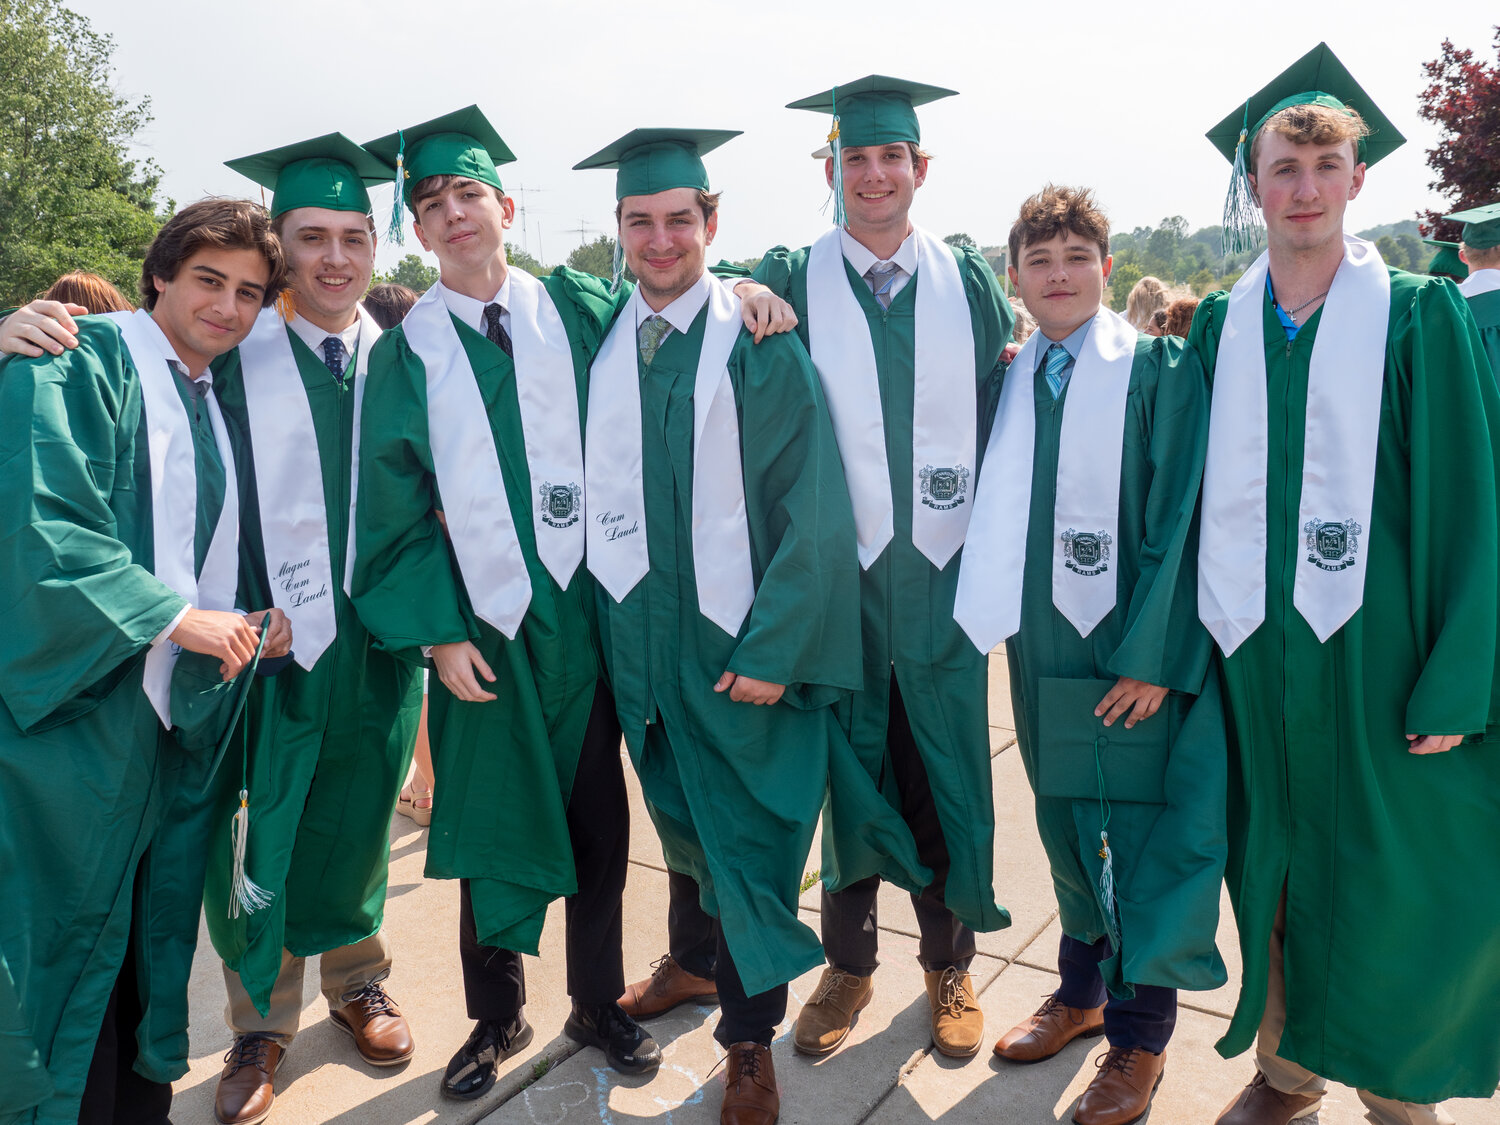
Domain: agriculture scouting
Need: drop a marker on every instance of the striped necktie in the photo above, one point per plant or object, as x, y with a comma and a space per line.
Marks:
1058, 361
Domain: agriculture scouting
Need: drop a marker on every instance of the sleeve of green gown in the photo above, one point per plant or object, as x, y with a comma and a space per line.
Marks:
586, 305
804, 624
1454, 431
76, 605
994, 326
1203, 336
775, 272
728, 271
404, 588
1163, 642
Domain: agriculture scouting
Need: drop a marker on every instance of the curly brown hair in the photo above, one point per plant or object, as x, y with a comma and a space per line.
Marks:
1320, 125
1056, 210
225, 224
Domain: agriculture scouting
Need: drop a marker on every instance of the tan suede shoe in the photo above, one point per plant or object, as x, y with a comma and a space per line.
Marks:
1260, 1103
825, 1020
750, 1093
957, 1022
247, 1083
1121, 1092
1048, 1030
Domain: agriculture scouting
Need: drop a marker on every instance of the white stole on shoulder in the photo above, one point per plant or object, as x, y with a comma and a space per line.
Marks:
1086, 507
1480, 281
617, 544
944, 435
1344, 386
289, 479
174, 497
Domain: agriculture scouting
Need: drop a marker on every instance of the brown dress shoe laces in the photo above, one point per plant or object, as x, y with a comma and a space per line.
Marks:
372, 1001
248, 1050
1118, 1058
748, 1065
951, 998
832, 981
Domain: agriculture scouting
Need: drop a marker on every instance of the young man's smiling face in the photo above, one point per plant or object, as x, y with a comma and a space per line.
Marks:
879, 184
665, 239
212, 302
330, 260
1061, 281
464, 225
1304, 189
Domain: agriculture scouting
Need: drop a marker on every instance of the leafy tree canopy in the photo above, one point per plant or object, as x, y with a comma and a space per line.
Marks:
1463, 101
411, 272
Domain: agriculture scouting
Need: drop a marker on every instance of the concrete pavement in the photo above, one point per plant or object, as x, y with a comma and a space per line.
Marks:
885, 1074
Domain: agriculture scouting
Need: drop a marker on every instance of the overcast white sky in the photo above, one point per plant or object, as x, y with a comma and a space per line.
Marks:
1112, 95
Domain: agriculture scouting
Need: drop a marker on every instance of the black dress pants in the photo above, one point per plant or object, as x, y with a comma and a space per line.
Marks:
697, 944
113, 1093
1145, 1020
599, 829
850, 928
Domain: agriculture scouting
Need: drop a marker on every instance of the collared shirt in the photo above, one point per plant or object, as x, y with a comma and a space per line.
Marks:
313, 336
905, 257
471, 311
681, 313
1072, 342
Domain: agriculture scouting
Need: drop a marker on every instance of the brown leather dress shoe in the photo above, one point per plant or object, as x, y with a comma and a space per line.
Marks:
668, 986
246, 1092
1048, 1030
376, 1025
825, 1020
750, 1094
957, 1022
1260, 1103
1122, 1090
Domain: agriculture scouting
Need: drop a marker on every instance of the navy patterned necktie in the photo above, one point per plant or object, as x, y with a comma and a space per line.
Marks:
495, 330
333, 355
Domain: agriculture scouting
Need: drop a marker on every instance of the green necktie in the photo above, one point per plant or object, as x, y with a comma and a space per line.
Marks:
652, 332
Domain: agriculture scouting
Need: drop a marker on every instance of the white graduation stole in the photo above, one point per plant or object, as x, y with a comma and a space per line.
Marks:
944, 437
1086, 508
617, 547
1480, 281
1344, 386
174, 497
467, 468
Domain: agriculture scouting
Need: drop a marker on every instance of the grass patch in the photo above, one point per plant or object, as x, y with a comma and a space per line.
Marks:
810, 878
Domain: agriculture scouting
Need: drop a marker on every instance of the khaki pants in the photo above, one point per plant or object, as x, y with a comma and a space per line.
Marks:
343, 970
1289, 1078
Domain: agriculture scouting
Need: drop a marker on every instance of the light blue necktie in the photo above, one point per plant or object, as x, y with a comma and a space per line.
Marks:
1058, 361
881, 276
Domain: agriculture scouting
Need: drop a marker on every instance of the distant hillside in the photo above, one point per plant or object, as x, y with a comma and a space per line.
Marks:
1395, 230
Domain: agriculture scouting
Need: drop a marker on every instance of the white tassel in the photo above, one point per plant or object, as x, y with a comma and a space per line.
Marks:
244, 893
1107, 883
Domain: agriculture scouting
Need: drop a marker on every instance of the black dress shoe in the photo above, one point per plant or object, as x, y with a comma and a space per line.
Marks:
625, 1044
471, 1072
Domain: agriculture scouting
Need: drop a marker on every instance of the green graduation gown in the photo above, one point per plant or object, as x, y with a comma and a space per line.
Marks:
504, 769
329, 747
906, 603
1486, 310
1168, 859
101, 835
1393, 920
735, 789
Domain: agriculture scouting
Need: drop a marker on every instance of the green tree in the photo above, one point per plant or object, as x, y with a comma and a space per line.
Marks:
1122, 280
597, 257
411, 272
960, 239
70, 196
519, 258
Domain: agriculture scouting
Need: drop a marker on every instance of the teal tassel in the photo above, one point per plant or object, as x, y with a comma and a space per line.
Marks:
840, 219
1107, 855
395, 232
1243, 228
617, 268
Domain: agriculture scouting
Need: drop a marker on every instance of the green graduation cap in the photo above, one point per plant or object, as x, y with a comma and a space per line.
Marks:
1317, 78
461, 143
1481, 225
1446, 262
874, 110
653, 160
329, 171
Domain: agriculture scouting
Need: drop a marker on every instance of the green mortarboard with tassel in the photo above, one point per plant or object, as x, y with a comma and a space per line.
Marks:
1446, 262
873, 110
330, 171
1481, 225
461, 143
648, 161
1317, 78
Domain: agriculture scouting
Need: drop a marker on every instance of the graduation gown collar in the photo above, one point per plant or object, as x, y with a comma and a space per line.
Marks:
1480, 281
